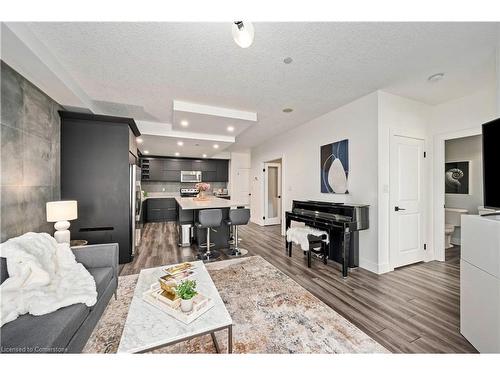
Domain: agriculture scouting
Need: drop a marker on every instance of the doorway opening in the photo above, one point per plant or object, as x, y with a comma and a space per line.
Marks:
272, 192
463, 187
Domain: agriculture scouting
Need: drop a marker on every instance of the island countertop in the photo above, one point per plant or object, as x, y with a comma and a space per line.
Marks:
213, 202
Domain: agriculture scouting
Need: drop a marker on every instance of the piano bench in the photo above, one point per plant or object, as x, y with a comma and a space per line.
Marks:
317, 245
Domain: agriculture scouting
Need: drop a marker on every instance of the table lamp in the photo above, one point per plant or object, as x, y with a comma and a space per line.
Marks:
60, 212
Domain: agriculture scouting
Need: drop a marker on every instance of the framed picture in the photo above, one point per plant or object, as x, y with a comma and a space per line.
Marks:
456, 177
334, 167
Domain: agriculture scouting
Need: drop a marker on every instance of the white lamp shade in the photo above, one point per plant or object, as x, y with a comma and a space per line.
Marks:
61, 210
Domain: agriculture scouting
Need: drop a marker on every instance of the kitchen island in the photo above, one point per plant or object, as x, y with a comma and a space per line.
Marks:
187, 216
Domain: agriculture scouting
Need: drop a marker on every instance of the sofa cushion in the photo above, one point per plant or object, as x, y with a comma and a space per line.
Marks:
102, 277
45, 333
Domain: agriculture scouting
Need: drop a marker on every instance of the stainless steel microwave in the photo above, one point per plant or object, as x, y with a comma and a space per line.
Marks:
190, 176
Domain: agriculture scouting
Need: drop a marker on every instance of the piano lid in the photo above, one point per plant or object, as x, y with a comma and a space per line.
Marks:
339, 204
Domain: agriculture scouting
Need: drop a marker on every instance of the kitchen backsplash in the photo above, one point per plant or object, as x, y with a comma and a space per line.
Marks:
174, 187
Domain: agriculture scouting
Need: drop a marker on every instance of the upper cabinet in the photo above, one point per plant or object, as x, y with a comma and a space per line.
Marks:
169, 169
222, 170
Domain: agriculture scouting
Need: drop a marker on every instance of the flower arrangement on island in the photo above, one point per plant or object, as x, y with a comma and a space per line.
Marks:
202, 187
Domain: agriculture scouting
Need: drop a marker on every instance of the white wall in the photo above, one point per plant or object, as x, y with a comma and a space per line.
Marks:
404, 117
467, 149
299, 150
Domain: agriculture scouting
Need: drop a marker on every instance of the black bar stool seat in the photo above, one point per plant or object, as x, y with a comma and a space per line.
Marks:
209, 219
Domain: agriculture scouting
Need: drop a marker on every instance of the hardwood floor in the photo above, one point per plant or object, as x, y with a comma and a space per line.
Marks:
414, 309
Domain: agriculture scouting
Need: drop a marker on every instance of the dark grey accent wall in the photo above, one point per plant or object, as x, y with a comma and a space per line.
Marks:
30, 155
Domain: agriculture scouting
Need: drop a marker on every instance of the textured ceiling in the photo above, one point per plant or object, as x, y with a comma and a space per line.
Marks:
140, 68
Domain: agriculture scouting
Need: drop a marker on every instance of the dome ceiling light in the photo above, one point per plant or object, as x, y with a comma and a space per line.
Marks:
243, 33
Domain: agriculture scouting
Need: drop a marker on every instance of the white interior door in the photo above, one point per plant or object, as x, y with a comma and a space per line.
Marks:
241, 186
406, 197
272, 193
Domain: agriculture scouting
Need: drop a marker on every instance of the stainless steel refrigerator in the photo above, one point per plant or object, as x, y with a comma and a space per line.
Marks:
135, 208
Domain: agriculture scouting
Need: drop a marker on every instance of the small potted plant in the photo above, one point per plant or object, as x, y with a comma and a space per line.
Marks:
186, 290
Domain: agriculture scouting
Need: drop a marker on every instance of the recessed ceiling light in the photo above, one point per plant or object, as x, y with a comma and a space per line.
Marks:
436, 77
204, 155
243, 33
180, 143
139, 140
146, 152
184, 123
216, 145
230, 128
287, 60
177, 154
287, 110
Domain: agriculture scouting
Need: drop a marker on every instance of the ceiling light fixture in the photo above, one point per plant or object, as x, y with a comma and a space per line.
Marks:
180, 143
435, 77
204, 155
216, 145
287, 110
230, 128
184, 123
243, 33
146, 152
139, 140
177, 154
287, 60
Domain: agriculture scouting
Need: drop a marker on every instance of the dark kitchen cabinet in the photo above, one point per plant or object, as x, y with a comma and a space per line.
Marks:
161, 209
169, 169
171, 176
95, 167
177, 165
222, 171
205, 165
209, 176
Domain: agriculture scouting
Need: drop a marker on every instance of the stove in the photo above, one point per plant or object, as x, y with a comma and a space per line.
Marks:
189, 192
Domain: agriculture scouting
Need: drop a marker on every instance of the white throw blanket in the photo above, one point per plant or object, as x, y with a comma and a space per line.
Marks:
298, 235
43, 277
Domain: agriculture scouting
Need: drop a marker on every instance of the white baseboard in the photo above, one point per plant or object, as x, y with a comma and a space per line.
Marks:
368, 265
384, 268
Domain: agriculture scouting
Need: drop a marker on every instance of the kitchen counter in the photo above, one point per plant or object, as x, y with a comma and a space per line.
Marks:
213, 202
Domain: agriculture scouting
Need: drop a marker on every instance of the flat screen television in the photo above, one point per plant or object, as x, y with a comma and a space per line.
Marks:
491, 164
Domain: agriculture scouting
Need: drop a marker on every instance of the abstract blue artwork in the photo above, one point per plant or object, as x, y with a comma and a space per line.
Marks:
335, 167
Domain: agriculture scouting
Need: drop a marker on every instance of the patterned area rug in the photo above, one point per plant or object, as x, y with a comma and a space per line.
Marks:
270, 311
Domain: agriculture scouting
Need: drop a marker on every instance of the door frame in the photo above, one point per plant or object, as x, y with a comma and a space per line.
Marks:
280, 188
438, 190
392, 258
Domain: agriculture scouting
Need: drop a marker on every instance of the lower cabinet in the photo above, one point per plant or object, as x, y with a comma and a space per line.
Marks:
161, 209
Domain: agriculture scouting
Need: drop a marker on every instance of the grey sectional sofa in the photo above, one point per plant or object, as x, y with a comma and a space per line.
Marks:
68, 329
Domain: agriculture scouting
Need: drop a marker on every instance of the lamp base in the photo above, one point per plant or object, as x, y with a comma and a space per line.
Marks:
62, 234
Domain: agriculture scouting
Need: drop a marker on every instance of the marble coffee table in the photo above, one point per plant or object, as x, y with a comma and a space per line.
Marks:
148, 328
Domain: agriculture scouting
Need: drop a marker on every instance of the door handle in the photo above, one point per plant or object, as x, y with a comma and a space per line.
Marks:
399, 209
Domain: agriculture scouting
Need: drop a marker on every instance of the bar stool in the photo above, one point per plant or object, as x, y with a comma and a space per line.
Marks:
237, 217
231, 231
209, 219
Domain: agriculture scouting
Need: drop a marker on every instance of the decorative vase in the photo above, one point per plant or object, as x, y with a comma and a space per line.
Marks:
186, 305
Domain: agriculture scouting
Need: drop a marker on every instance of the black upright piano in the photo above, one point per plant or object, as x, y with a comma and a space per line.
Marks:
342, 222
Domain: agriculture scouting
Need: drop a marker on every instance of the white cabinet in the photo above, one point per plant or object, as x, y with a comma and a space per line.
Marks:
480, 282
